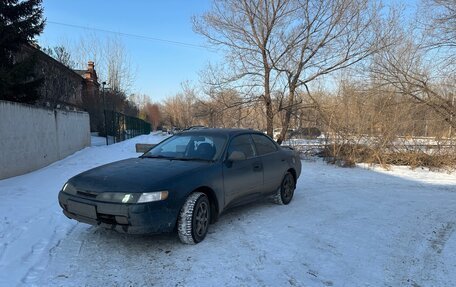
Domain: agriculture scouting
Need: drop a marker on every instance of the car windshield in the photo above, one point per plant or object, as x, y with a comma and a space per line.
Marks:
189, 147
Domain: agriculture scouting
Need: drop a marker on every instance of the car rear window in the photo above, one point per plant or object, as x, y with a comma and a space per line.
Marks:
263, 144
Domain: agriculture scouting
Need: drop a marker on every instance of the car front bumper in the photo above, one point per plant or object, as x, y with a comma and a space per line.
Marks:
143, 218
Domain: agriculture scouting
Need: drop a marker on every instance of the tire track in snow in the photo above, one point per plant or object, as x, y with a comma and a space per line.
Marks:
3, 248
16, 234
31, 259
433, 264
421, 264
442, 235
37, 258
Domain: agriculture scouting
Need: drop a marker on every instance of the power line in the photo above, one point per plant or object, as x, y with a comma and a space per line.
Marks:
128, 34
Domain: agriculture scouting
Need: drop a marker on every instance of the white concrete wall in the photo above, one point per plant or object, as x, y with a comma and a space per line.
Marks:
31, 138
73, 132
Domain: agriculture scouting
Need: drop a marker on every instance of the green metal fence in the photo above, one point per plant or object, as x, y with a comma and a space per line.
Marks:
120, 127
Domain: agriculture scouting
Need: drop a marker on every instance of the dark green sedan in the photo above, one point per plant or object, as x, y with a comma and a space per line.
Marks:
184, 183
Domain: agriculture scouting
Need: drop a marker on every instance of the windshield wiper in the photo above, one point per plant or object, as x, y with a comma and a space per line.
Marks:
177, 158
157, 156
192, 158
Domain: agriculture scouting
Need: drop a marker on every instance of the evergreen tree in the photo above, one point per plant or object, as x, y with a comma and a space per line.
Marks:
20, 22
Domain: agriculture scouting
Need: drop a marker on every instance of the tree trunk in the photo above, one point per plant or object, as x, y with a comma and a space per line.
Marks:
268, 104
288, 110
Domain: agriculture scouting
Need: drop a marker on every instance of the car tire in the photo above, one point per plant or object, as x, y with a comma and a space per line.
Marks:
194, 218
285, 193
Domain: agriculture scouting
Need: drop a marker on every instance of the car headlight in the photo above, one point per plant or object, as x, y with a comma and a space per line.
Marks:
120, 197
117, 197
153, 196
68, 188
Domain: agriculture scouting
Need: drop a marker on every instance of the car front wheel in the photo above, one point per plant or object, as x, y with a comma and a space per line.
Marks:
285, 192
194, 218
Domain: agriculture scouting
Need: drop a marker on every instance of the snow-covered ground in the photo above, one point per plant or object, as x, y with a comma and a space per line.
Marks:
345, 227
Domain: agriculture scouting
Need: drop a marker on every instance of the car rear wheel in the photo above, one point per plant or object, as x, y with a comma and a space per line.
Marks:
285, 192
194, 218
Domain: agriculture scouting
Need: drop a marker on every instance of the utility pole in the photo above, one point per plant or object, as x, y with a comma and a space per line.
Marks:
104, 112
115, 118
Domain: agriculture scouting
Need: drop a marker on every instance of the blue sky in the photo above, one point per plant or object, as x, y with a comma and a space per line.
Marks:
160, 67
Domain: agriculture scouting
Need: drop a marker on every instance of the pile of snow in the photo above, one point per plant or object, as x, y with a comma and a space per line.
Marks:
345, 227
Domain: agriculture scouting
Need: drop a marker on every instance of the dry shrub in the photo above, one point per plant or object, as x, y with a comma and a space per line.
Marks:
441, 161
347, 155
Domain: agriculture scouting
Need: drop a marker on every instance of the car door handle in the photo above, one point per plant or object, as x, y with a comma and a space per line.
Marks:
257, 166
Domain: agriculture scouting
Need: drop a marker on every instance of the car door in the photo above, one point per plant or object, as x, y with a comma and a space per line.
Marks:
273, 161
243, 179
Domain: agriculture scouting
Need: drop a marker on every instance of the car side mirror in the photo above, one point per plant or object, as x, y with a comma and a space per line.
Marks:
236, 156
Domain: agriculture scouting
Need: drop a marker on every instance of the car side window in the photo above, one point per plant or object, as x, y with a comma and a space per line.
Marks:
244, 144
263, 144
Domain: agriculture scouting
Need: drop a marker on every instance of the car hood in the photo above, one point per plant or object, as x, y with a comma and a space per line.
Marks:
135, 175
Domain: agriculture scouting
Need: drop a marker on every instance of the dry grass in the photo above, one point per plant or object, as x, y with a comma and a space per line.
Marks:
347, 155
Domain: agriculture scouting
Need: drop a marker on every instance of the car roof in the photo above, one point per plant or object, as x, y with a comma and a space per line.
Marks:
221, 131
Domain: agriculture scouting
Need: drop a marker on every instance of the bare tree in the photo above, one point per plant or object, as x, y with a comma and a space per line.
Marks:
179, 110
441, 25
365, 122
423, 65
110, 57
140, 101
224, 108
246, 31
325, 37
61, 54
153, 115
119, 71
285, 45
89, 47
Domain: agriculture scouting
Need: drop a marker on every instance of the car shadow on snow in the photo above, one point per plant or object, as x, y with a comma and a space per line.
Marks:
229, 217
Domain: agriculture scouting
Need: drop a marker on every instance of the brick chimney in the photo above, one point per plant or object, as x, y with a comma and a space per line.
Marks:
91, 74
90, 66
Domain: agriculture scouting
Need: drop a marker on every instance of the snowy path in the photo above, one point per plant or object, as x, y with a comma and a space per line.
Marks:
345, 227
